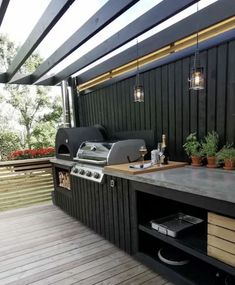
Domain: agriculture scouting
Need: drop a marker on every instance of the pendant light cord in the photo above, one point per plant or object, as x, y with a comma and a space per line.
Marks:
137, 55
196, 58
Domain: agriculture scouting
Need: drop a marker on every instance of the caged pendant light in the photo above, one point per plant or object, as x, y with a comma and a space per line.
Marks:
138, 88
197, 75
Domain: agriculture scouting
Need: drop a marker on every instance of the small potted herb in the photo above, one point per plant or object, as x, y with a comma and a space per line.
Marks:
210, 147
227, 155
193, 149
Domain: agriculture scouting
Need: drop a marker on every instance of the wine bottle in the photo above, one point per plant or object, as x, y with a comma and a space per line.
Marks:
165, 152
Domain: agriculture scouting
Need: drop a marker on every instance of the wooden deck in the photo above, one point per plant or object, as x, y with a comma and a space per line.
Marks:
43, 245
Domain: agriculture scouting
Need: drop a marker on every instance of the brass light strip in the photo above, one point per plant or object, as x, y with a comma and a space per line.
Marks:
186, 42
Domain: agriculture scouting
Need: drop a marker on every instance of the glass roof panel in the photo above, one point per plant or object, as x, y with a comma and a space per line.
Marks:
20, 17
171, 21
122, 21
73, 19
77, 14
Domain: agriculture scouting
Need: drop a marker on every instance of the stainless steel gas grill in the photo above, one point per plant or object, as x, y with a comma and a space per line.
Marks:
92, 156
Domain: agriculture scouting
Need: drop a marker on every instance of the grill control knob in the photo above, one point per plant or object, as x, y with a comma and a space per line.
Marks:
75, 170
81, 171
88, 173
96, 175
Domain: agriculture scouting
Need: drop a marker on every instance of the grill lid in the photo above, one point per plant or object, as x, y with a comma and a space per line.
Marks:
109, 152
94, 152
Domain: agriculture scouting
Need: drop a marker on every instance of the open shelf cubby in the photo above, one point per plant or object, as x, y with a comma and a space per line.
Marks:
202, 269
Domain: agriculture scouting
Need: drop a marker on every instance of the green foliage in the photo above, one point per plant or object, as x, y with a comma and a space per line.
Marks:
210, 145
43, 135
9, 141
8, 50
227, 152
192, 146
32, 105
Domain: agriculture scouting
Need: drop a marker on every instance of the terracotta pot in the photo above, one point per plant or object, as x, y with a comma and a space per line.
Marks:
229, 164
196, 161
211, 162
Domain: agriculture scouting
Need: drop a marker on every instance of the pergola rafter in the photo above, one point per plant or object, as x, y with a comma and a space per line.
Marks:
211, 15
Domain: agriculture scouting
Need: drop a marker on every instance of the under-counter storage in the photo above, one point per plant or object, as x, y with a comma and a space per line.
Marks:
201, 268
195, 271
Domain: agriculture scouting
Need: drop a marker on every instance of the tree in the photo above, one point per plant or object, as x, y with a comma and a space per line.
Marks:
32, 104
9, 141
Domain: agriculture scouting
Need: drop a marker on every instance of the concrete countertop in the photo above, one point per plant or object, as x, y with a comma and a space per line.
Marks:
213, 183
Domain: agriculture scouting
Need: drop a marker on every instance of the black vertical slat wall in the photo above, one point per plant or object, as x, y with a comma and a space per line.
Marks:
103, 208
170, 107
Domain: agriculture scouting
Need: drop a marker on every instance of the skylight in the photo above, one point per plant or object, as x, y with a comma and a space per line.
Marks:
122, 21
171, 21
21, 16
77, 14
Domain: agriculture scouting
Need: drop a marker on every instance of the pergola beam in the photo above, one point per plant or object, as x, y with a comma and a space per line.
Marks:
3, 77
50, 17
110, 11
153, 17
3, 8
207, 17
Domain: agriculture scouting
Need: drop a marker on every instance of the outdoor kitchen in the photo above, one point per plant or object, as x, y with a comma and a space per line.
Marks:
141, 187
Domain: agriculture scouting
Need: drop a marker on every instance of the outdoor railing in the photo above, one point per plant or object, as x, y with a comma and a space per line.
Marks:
25, 182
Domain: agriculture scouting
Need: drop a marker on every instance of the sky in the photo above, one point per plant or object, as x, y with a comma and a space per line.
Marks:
22, 15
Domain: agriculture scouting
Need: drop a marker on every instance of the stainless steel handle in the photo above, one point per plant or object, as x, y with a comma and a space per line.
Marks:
98, 162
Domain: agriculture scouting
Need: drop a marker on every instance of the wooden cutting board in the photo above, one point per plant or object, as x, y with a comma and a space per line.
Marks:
125, 167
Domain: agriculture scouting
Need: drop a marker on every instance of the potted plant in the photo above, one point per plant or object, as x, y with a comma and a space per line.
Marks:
193, 149
227, 155
210, 147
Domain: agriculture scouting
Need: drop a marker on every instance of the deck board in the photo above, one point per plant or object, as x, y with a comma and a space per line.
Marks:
42, 245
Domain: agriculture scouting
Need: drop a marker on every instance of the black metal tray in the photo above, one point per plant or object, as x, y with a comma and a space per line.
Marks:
174, 225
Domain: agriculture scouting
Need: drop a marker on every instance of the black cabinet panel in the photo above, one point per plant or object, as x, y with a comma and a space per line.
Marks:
103, 208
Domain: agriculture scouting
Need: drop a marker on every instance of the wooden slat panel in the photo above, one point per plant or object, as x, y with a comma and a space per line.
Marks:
221, 255
106, 214
146, 84
221, 90
221, 244
178, 111
102, 214
110, 213
186, 98
121, 217
165, 102
221, 232
230, 122
193, 105
152, 99
159, 107
202, 101
115, 214
171, 87
211, 89
25, 182
126, 211
222, 221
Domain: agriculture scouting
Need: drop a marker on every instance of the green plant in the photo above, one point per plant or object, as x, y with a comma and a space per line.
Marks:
226, 153
192, 146
9, 141
210, 145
